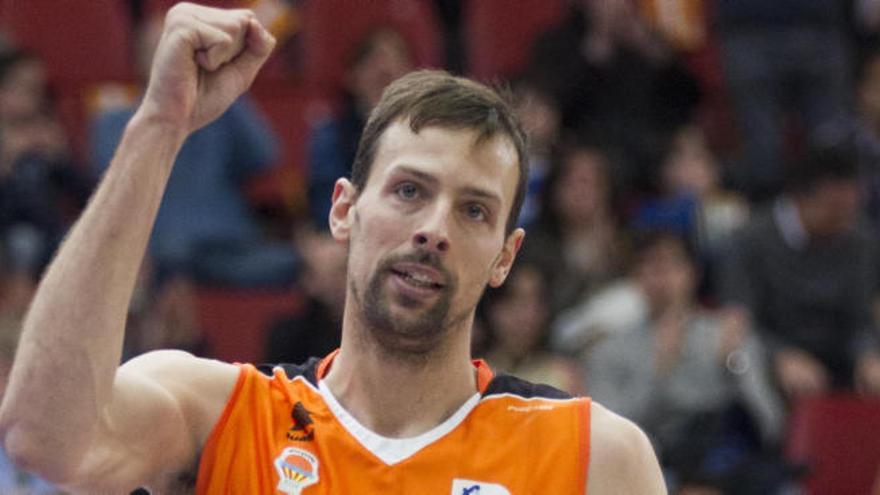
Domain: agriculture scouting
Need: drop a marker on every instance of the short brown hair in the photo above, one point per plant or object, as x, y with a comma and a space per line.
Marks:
437, 98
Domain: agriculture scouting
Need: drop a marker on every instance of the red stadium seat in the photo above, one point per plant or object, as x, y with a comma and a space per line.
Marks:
289, 110
498, 34
78, 42
331, 29
156, 6
235, 320
838, 438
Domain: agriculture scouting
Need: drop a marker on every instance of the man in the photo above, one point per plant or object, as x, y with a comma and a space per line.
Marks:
803, 273
687, 375
426, 221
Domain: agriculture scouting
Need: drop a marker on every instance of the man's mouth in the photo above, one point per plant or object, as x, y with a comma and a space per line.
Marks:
419, 277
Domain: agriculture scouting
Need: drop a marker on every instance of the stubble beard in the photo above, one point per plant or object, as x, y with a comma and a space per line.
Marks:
415, 338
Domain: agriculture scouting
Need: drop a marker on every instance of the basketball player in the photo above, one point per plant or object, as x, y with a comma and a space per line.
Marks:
399, 409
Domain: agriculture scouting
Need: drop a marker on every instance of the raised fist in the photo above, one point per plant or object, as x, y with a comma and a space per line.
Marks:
206, 58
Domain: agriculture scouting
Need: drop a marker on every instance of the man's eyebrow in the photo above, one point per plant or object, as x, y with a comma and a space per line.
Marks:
423, 176
481, 193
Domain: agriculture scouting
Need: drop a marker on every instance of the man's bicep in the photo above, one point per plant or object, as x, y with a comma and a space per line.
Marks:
155, 424
622, 460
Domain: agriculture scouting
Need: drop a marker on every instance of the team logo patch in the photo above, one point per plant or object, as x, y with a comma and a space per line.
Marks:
303, 428
297, 469
470, 487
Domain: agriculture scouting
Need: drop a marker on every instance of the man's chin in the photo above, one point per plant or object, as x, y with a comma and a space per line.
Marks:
402, 339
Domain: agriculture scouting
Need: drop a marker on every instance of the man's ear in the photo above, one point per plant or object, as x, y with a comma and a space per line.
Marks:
342, 210
505, 260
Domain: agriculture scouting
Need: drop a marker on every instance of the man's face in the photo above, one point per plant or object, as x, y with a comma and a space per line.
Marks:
388, 60
834, 204
869, 89
582, 191
666, 276
427, 232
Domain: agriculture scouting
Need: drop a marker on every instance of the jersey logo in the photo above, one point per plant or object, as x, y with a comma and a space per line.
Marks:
297, 469
470, 487
303, 429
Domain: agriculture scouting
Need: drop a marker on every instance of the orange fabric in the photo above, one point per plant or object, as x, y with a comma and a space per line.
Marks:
526, 446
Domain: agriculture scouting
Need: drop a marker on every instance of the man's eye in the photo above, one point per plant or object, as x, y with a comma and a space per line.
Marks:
476, 212
407, 191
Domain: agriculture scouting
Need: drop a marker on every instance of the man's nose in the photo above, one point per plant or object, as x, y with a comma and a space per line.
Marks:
433, 233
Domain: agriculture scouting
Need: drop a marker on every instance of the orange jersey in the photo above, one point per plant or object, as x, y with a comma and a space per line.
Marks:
285, 433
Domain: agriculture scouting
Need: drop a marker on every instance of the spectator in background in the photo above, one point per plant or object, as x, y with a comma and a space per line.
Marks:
205, 225
380, 58
865, 129
615, 81
692, 201
804, 272
40, 187
541, 119
163, 315
618, 307
23, 83
317, 328
517, 317
781, 58
577, 241
695, 385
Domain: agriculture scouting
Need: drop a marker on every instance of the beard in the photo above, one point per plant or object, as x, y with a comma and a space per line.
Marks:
412, 336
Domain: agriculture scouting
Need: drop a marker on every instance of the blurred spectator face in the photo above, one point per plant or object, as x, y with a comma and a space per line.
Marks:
35, 133
869, 89
518, 318
172, 321
23, 87
382, 58
666, 274
582, 192
175, 304
27, 123
690, 167
832, 207
325, 268
608, 14
539, 116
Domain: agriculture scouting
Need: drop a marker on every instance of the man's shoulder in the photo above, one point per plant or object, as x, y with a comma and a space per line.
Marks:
618, 437
199, 387
173, 366
622, 459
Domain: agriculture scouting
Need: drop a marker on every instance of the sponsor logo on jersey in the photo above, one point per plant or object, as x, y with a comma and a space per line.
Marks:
303, 428
471, 487
297, 469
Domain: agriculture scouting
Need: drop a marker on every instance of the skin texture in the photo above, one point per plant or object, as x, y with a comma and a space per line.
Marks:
434, 207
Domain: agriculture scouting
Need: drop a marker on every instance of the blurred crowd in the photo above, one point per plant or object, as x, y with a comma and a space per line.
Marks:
702, 212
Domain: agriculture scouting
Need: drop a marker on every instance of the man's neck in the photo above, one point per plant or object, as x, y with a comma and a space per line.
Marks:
395, 397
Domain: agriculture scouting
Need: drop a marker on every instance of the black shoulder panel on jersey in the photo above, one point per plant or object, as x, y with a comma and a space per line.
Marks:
507, 384
307, 370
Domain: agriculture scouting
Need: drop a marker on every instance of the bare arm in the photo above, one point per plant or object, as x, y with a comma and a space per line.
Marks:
68, 412
622, 461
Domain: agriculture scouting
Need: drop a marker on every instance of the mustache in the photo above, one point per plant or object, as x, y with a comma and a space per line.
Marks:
426, 258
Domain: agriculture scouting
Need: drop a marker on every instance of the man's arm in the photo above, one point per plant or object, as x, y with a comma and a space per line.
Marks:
68, 414
622, 461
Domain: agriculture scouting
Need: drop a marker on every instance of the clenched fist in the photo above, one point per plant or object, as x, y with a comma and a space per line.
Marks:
206, 58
